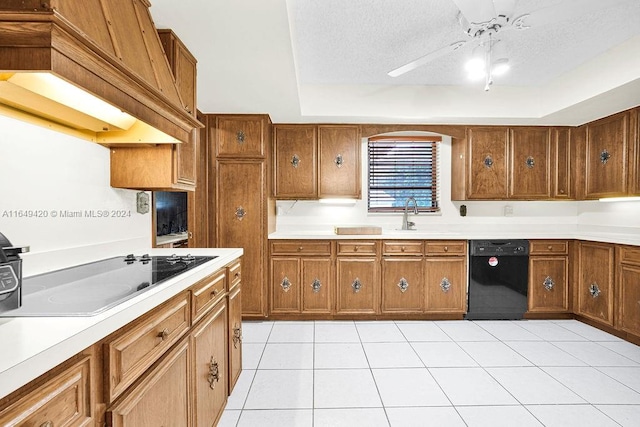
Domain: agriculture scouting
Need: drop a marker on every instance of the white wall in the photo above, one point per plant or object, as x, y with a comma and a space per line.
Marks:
312, 215
47, 172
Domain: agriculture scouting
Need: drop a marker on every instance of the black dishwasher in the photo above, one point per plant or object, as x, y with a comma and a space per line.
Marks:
498, 276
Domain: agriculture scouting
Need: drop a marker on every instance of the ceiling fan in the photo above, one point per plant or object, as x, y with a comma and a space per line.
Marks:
485, 21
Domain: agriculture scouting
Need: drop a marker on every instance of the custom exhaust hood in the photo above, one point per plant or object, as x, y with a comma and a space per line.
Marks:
92, 68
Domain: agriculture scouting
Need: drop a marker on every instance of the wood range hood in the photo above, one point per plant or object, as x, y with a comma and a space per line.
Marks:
92, 68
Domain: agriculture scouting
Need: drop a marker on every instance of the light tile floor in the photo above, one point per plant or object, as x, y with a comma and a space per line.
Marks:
443, 373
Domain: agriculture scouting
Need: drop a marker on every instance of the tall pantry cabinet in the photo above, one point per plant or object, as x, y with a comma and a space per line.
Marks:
243, 211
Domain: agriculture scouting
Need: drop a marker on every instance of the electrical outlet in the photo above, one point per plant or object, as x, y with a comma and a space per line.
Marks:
508, 210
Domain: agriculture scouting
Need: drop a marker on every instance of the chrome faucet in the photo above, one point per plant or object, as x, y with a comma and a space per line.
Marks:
406, 224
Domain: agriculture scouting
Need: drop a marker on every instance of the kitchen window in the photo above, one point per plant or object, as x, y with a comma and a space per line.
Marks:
403, 167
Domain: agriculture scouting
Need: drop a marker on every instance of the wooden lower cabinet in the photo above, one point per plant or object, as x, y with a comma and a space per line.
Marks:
628, 282
358, 285
234, 303
209, 352
595, 293
301, 277
548, 276
402, 284
445, 284
161, 398
64, 400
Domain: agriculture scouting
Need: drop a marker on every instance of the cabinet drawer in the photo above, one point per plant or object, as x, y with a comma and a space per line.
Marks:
130, 352
63, 400
206, 293
630, 255
235, 274
402, 248
298, 247
447, 247
545, 247
357, 248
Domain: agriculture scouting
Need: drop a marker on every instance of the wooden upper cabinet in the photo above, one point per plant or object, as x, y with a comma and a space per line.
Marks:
487, 163
295, 172
530, 155
240, 136
606, 153
561, 179
634, 153
339, 161
183, 66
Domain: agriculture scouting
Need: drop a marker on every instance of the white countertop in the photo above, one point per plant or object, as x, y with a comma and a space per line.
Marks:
621, 235
33, 345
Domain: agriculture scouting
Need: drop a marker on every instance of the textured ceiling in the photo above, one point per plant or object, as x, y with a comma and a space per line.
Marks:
327, 61
359, 41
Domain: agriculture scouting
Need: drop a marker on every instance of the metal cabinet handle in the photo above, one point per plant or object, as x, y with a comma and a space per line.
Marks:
240, 137
530, 162
214, 374
488, 162
356, 285
240, 213
295, 161
316, 285
339, 161
403, 285
604, 156
286, 284
594, 290
163, 334
237, 335
445, 285
548, 283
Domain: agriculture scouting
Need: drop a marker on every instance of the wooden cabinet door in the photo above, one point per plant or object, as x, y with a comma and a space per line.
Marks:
162, 398
240, 136
317, 285
629, 298
561, 182
209, 352
235, 336
606, 156
402, 284
295, 171
446, 284
183, 66
487, 177
63, 400
185, 161
240, 201
548, 283
285, 285
530, 170
634, 153
339, 161
595, 286
357, 285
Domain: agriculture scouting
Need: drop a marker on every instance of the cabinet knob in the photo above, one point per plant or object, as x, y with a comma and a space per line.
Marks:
356, 285
299, 248
594, 290
402, 249
315, 285
548, 283
550, 247
445, 285
403, 285
237, 335
215, 292
163, 334
286, 284
240, 137
561, 191
355, 249
446, 248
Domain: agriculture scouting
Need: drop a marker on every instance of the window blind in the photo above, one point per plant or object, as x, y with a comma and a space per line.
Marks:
402, 168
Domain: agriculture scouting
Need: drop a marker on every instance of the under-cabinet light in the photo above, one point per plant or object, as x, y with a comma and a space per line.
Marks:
338, 201
620, 199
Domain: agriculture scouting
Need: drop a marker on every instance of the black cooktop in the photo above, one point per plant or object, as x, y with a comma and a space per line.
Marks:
89, 289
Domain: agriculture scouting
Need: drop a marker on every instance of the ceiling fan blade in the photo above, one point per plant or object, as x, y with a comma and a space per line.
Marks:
562, 11
426, 59
476, 11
